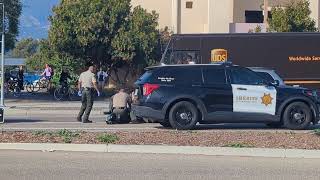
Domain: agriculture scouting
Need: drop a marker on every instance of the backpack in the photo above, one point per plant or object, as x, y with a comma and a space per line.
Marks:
52, 71
101, 77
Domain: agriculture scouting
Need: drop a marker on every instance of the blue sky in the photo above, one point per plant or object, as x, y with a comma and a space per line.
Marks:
34, 19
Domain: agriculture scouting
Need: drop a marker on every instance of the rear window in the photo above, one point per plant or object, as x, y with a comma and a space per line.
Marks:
181, 75
146, 77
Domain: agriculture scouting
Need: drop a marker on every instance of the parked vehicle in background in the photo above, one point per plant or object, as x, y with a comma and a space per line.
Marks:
295, 56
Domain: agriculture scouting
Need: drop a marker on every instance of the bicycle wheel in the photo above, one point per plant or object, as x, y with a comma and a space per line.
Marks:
73, 95
16, 91
58, 94
30, 87
37, 86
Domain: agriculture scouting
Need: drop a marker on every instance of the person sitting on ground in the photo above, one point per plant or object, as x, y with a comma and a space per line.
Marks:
120, 105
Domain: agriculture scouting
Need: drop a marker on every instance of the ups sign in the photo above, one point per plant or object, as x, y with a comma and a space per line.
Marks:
219, 55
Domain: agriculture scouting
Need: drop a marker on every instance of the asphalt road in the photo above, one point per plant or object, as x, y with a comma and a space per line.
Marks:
78, 166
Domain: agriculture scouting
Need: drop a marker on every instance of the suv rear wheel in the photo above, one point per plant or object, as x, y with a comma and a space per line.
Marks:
183, 116
297, 116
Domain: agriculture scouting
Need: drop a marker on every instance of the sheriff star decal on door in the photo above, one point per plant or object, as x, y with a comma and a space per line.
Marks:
266, 99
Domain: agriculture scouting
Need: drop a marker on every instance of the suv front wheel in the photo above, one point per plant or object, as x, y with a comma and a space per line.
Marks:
297, 116
183, 116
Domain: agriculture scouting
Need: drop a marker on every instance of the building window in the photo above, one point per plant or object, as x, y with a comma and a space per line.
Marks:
189, 4
254, 16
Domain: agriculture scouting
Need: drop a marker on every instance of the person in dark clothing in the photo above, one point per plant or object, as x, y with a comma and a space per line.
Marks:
7, 76
64, 76
20, 77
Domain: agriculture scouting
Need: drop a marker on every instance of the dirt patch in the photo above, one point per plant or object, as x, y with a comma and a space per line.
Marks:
288, 140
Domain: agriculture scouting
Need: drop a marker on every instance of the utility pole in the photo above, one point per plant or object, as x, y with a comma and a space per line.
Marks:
265, 12
2, 58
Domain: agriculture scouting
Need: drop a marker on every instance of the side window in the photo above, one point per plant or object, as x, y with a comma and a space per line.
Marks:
182, 75
266, 76
185, 57
214, 75
240, 75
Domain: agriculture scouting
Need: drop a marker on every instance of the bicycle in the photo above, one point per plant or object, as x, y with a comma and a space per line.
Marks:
64, 91
42, 83
12, 86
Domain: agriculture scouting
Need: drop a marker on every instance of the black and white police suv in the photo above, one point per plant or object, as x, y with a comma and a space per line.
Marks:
180, 96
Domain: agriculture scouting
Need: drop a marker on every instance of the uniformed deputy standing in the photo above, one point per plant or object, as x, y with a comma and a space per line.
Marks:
87, 84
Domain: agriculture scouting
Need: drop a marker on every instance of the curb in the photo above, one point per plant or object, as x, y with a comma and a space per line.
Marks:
163, 149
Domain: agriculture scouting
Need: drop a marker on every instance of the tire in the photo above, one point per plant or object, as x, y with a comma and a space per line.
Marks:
297, 116
183, 116
30, 88
58, 94
274, 124
73, 95
166, 124
16, 92
37, 87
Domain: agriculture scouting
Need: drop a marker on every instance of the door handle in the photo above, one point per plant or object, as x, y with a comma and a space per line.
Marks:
196, 85
242, 89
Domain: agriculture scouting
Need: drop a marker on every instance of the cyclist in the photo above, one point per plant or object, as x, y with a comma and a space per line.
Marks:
47, 73
64, 76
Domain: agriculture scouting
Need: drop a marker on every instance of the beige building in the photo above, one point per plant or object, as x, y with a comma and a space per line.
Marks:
214, 16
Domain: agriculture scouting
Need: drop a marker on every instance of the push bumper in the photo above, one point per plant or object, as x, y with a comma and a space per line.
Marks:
147, 112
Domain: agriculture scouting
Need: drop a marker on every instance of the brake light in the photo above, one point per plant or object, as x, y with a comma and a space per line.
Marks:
149, 88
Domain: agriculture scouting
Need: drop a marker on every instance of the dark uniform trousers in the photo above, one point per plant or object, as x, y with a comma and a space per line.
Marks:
87, 103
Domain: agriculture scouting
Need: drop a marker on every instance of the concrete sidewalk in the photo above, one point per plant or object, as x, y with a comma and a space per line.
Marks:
163, 149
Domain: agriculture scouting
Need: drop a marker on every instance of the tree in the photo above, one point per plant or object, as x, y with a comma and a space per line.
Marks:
25, 48
43, 55
105, 32
295, 17
84, 29
47, 55
13, 10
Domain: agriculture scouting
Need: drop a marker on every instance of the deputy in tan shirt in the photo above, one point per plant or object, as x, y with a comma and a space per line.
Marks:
87, 84
120, 104
121, 100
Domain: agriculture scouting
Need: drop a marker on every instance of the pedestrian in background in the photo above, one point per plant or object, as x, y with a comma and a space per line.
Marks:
20, 77
102, 77
86, 85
